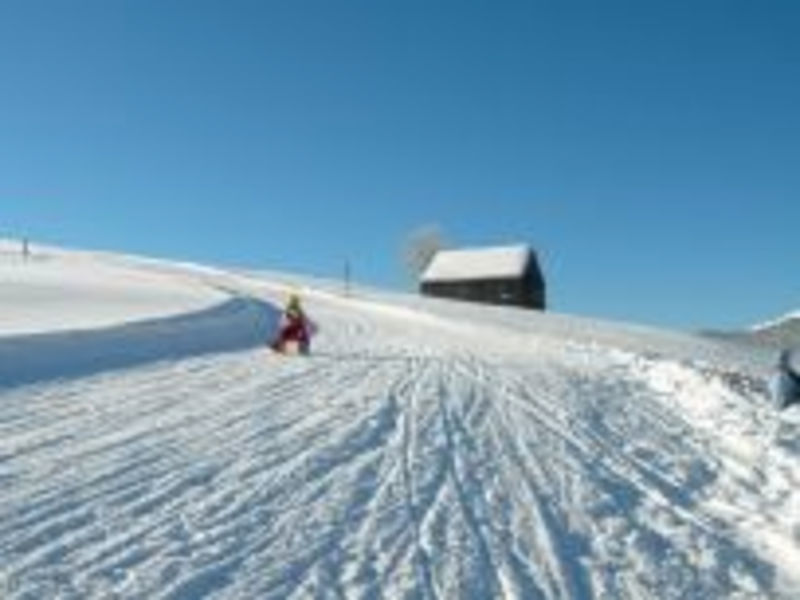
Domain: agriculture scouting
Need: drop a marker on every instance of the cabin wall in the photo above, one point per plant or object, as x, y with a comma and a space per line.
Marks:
514, 292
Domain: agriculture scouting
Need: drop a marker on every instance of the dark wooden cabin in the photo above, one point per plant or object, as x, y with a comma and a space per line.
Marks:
498, 275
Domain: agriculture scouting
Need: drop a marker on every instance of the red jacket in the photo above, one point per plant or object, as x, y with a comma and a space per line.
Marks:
295, 326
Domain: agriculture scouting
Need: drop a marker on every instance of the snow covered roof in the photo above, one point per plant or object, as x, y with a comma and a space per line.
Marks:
478, 263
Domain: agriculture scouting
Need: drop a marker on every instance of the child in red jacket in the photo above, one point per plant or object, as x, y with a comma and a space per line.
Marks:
295, 327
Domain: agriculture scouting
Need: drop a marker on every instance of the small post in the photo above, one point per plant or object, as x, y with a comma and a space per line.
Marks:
26, 249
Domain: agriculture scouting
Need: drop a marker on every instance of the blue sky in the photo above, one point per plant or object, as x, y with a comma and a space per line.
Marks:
650, 151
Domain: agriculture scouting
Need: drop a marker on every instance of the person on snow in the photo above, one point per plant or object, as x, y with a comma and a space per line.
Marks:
295, 327
786, 384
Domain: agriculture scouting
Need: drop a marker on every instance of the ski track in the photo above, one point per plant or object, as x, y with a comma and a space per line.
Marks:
397, 462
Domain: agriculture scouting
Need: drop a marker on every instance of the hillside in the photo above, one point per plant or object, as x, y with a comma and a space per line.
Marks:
774, 335
425, 449
782, 333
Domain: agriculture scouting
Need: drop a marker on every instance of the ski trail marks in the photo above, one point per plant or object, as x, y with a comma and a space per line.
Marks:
396, 463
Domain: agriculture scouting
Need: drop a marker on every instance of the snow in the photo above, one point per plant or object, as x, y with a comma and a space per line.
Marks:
425, 449
478, 263
775, 323
53, 290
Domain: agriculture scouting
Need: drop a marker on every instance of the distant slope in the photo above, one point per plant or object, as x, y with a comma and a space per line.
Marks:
780, 333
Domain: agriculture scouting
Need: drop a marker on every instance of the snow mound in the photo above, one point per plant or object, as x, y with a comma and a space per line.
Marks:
57, 290
69, 313
236, 324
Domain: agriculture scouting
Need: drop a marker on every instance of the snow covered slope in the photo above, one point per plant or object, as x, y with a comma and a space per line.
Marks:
783, 332
790, 316
426, 449
773, 335
56, 290
72, 313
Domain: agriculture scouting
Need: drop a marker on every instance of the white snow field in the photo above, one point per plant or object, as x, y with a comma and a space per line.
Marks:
780, 321
56, 290
151, 447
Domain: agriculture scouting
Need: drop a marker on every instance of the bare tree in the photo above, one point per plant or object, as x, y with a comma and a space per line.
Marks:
420, 247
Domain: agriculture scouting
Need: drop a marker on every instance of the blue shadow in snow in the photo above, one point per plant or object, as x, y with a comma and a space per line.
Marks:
239, 323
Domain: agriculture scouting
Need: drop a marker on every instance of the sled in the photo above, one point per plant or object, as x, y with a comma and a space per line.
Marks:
290, 348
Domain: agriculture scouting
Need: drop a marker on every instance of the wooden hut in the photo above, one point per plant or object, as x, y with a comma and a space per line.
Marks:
496, 275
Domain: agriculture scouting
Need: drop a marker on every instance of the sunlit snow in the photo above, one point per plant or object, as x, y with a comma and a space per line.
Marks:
426, 448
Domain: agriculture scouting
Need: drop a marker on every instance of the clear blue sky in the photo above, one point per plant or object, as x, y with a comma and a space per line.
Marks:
650, 151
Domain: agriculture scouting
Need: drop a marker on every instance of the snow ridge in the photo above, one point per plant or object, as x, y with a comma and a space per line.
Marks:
239, 323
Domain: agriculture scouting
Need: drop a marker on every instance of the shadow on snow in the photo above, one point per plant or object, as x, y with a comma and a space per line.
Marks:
239, 323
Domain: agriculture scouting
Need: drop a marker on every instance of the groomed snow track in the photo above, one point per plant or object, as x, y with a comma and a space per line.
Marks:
407, 458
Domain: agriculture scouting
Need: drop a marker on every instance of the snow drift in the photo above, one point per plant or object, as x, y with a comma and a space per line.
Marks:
236, 324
